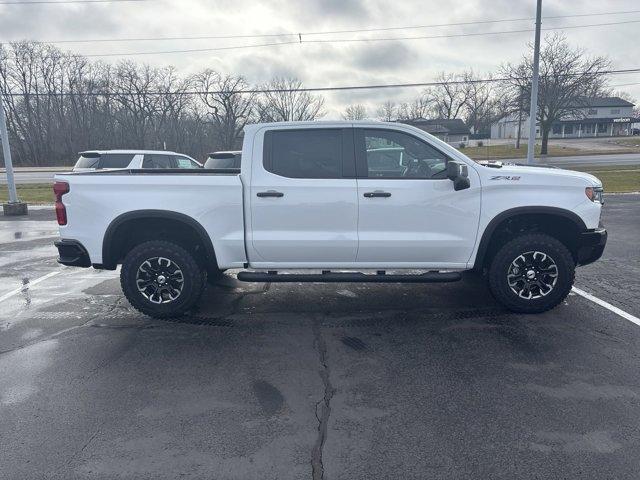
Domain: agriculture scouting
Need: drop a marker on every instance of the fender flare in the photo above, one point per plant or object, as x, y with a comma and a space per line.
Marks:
514, 212
108, 260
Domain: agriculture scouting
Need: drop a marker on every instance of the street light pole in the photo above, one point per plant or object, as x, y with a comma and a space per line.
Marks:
14, 207
534, 86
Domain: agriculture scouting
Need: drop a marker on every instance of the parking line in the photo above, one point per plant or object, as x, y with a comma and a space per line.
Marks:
606, 305
27, 285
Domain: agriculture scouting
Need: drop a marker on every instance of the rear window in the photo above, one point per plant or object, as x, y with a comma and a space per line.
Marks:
115, 160
312, 153
223, 160
88, 161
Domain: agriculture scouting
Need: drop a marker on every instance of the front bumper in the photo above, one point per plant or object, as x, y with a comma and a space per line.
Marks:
591, 245
72, 253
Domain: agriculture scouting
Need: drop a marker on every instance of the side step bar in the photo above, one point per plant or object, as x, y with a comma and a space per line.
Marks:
333, 277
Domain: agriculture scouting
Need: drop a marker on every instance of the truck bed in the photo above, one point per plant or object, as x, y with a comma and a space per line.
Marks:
211, 197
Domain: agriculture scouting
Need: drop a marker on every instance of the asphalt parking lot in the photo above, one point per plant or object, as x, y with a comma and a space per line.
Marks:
303, 380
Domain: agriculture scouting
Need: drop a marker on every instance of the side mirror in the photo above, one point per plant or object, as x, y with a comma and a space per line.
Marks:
458, 173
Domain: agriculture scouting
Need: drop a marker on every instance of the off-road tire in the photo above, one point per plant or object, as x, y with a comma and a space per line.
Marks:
194, 279
502, 261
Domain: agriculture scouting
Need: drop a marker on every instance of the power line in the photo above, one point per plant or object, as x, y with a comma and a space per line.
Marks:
307, 89
51, 2
471, 34
297, 34
473, 23
354, 40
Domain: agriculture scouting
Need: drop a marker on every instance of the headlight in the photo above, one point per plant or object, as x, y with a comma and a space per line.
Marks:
595, 194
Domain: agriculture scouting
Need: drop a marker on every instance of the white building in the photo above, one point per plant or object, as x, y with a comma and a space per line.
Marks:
596, 117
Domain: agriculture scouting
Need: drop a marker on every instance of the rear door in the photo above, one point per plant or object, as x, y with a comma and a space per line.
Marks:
303, 194
409, 214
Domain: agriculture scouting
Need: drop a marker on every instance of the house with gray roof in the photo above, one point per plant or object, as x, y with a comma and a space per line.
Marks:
450, 130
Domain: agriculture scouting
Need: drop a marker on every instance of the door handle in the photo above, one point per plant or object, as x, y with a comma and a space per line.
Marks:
270, 193
377, 193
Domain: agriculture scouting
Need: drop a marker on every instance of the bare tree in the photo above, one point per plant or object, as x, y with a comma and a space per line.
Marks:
482, 105
286, 102
449, 98
421, 107
567, 77
355, 112
230, 109
388, 111
59, 104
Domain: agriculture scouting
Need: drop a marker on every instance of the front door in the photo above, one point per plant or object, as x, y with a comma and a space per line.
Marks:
304, 209
409, 214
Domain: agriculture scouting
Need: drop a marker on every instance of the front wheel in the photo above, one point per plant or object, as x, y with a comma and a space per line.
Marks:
161, 279
531, 273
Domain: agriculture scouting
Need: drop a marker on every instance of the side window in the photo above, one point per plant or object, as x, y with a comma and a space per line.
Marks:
157, 161
184, 162
115, 160
311, 153
392, 154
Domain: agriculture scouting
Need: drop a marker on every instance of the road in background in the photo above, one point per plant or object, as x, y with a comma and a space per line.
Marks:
287, 380
33, 175
585, 160
45, 175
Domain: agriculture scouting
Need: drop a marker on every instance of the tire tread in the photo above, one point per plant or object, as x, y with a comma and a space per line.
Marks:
189, 266
540, 241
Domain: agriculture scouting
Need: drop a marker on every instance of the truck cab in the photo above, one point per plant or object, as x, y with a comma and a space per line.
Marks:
337, 200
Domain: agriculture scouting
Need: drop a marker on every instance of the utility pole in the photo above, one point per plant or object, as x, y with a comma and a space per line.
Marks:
533, 112
519, 118
14, 207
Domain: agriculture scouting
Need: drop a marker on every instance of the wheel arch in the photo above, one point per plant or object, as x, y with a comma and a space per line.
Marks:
114, 240
532, 216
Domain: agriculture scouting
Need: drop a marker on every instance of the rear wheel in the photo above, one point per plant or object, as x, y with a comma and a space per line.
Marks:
531, 273
161, 279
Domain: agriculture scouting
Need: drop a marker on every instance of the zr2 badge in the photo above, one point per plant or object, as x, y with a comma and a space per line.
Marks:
513, 178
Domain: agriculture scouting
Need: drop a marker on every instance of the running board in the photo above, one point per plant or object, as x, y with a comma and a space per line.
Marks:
359, 277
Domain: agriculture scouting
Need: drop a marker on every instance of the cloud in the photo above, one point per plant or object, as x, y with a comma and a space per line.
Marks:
319, 10
328, 63
383, 56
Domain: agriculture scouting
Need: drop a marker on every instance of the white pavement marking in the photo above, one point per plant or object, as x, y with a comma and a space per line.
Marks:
606, 305
27, 285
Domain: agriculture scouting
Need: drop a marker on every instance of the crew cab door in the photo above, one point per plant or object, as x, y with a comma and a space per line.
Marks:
303, 196
409, 213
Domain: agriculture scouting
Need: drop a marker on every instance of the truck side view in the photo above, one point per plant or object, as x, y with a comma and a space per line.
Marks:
341, 201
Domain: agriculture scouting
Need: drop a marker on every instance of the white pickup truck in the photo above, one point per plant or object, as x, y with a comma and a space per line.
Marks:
341, 202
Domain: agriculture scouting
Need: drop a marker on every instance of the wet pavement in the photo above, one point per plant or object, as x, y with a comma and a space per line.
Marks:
305, 380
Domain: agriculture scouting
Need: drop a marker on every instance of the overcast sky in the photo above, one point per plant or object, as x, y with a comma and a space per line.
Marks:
332, 64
